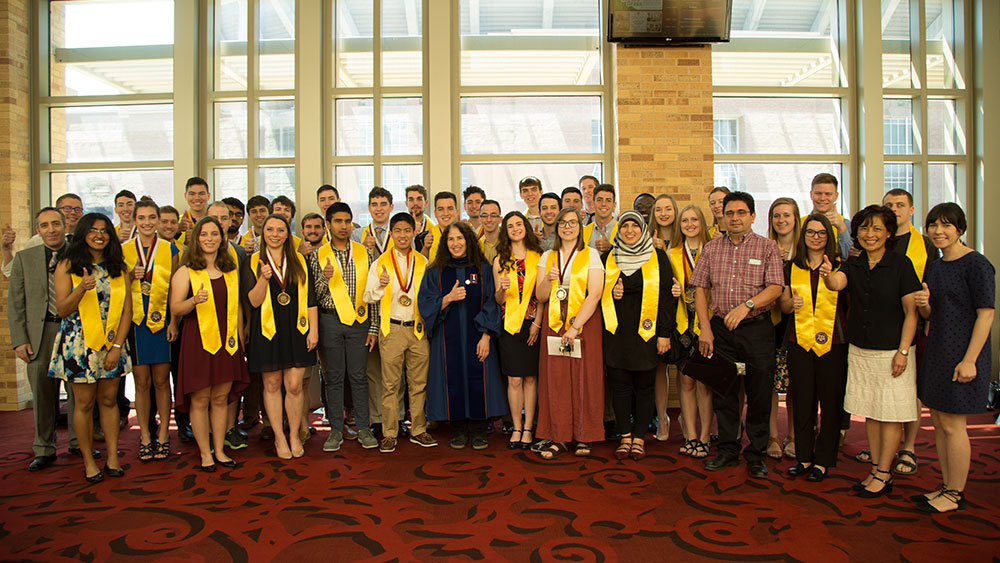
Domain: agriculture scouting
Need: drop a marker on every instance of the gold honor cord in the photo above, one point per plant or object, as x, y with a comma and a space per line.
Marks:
419, 264
577, 289
157, 275
650, 296
208, 323
348, 312
97, 334
917, 252
517, 306
814, 322
588, 231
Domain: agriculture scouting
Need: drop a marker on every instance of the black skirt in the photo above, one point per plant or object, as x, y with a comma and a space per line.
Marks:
517, 359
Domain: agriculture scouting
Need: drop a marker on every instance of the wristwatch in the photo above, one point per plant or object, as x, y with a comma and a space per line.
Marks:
749, 304
904, 352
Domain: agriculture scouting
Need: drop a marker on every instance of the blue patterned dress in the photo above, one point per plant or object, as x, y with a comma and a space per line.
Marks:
72, 360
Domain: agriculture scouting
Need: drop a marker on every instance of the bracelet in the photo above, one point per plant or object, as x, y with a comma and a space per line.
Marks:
116, 345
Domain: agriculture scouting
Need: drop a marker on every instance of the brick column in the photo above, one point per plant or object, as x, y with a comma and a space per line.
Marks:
663, 109
15, 174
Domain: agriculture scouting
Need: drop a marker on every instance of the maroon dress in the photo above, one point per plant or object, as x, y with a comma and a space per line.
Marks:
197, 369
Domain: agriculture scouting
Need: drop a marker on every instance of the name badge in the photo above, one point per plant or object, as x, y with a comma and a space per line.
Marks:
755, 262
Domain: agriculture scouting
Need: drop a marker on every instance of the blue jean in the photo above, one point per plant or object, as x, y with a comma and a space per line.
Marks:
345, 356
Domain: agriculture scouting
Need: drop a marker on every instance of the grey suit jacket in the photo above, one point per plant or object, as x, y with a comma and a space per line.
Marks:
28, 297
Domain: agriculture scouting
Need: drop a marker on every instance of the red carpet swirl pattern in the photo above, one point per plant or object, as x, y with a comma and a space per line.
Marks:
442, 504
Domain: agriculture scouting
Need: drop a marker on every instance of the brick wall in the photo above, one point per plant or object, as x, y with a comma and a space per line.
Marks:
15, 174
663, 110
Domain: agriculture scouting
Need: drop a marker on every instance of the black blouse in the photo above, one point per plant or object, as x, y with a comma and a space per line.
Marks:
626, 349
876, 316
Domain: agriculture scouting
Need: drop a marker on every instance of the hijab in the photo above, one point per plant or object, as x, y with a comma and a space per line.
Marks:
631, 257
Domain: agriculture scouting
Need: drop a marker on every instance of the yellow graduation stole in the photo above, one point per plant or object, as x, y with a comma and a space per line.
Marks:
419, 264
917, 252
677, 263
650, 296
517, 304
588, 231
162, 264
267, 326
712, 231
427, 224
814, 322
135, 230
389, 243
437, 241
208, 323
99, 335
246, 235
348, 312
577, 288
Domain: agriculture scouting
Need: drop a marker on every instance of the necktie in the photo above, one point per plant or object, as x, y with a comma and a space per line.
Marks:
52, 286
380, 233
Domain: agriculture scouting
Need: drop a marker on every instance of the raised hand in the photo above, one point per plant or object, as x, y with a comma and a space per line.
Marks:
457, 293
328, 270
265, 272
383, 278
826, 267
124, 233
369, 242
797, 301
201, 296
305, 248
922, 297
553, 273
603, 245
8, 238
504, 280
675, 289
619, 290
249, 242
658, 242
138, 272
89, 282
429, 239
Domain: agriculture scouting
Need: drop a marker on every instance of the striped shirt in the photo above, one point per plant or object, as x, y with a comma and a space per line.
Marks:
736, 272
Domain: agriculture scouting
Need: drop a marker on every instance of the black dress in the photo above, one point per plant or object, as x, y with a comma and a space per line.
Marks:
288, 347
958, 288
517, 358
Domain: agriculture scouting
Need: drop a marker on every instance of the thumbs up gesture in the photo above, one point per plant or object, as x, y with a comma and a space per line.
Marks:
619, 290
328, 270
675, 289
457, 293
89, 281
922, 297
201, 296
383, 278
265, 272
553, 273
9, 236
138, 272
826, 267
429, 239
369, 241
504, 280
124, 233
797, 301
249, 242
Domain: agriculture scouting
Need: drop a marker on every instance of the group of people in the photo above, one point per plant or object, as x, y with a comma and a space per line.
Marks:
559, 317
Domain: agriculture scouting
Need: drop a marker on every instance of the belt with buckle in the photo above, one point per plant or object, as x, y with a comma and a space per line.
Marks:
401, 323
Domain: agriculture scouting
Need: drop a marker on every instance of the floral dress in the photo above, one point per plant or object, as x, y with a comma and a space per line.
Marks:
72, 360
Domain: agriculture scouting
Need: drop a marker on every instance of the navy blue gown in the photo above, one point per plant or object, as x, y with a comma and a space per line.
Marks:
459, 386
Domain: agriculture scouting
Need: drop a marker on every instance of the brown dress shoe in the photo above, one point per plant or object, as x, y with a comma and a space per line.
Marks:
387, 445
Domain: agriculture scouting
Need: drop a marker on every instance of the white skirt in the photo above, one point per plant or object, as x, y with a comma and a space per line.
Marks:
872, 391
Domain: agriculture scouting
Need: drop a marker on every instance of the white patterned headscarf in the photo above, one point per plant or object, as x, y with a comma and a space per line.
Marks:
631, 257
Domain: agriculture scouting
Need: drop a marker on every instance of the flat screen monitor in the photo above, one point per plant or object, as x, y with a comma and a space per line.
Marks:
669, 22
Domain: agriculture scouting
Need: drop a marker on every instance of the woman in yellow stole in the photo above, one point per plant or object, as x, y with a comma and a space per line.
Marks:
91, 297
151, 262
211, 370
817, 349
661, 228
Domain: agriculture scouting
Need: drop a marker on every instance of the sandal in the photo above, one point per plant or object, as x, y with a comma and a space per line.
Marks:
864, 456
638, 449
553, 450
582, 449
774, 448
886, 486
162, 451
860, 486
146, 452
954, 496
525, 444
624, 448
688, 448
515, 444
909, 465
789, 449
700, 450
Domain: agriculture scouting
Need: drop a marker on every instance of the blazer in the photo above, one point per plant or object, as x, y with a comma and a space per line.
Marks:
27, 298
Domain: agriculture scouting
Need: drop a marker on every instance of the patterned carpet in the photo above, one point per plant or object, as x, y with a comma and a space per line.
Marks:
418, 505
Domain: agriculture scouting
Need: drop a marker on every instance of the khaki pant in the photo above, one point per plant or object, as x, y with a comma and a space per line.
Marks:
374, 369
398, 346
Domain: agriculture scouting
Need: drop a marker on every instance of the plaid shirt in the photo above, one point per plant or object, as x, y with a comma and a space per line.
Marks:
736, 272
323, 298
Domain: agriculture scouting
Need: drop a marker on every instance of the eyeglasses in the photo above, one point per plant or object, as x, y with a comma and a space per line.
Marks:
98, 231
570, 223
739, 213
813, 233
71, 209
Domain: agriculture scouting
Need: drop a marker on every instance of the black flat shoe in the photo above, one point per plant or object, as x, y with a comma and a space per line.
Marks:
41, 462
721, 461
526, 445
95, 478
206, 468
515, 444
957, 497
227, 464
114, 472
816, 474
928, 496
757, 469
797, 470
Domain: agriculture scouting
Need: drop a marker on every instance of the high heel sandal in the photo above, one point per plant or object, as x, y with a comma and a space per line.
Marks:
857, 487
638, 449
624, 448
886, 486
162, 451
515, 444
955, 496
146, 451
526, 444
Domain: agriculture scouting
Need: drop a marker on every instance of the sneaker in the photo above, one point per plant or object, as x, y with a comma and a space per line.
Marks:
234, 440
367, 439
333, 441
388, 445
424, 440
479, 442
459, 441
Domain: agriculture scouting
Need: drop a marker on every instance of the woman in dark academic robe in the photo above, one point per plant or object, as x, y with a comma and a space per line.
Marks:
462, 317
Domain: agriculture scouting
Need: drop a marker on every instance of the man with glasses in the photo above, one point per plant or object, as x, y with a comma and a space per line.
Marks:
489, 212
70, 205
742, 270
237, 212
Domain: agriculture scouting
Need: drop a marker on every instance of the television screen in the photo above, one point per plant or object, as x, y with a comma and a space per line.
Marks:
666, 22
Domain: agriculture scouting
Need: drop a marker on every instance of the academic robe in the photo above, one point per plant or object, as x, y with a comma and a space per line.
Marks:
459, 386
